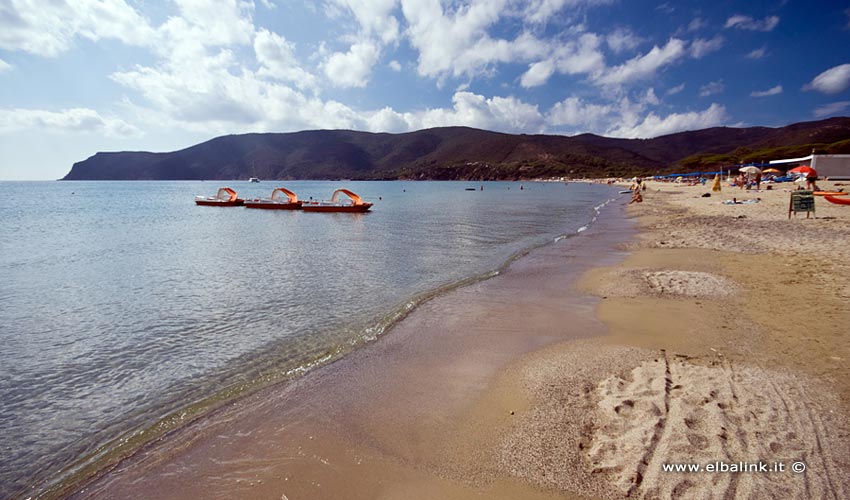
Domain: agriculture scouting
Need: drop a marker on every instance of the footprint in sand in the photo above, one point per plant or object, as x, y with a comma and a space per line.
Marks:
717, 412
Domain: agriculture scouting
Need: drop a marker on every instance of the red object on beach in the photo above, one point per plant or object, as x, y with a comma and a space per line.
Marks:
805, 170
837, 200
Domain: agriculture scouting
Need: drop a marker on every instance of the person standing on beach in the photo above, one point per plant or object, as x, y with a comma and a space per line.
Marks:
810, 182
758, 181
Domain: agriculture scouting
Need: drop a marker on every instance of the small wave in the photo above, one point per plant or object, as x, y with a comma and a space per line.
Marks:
581, 229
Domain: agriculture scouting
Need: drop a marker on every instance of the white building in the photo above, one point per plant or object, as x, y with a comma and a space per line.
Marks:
834, 167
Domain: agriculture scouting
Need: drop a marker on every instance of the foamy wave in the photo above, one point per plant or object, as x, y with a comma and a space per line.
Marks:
581, 229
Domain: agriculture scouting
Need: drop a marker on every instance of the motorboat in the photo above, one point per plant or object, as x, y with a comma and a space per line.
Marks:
253, 179
353, 204
281, 199
225, 197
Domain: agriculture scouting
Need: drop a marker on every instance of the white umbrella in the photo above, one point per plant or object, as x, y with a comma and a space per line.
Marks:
750, 170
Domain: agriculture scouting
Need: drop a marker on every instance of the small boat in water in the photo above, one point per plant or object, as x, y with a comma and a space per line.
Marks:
290, 201
253, 179
225, 197
353, 204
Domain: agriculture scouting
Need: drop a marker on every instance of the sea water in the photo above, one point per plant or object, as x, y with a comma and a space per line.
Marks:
127, 310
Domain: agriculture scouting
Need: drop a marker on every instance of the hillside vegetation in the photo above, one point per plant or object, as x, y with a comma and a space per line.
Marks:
463, 153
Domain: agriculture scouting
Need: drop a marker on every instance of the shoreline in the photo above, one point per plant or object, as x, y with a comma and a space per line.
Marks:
396, 408
694, 362
186, 412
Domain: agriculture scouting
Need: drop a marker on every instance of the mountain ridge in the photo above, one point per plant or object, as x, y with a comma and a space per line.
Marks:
448, 153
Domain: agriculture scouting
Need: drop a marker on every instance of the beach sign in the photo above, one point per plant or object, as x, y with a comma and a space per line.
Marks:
801, 201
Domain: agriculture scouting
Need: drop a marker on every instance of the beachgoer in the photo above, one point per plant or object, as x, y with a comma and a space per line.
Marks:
811, 184
716, 185
758, 181
637, 197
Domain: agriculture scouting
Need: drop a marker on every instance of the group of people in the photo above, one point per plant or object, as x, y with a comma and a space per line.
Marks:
744, 181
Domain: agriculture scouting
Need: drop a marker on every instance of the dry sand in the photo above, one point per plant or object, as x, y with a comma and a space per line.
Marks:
727, 341
739, 321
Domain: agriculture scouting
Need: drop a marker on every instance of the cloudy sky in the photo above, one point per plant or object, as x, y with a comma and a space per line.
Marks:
81, 76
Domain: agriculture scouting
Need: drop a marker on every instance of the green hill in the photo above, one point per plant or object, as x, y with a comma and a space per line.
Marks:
462, 153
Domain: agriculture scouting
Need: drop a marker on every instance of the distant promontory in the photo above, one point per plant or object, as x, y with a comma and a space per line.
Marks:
461, 153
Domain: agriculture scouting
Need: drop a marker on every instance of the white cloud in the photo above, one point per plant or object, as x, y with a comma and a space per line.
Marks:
676, 89
578, 114
697, 24
388, 120
203, 24
506, 114
581, 56
374, 17
276, 57
653, 125
352, 68
651, 98
394, 65
700, 47
832, 108
49, 28
542, 11
458, 43
757, 53
748, 23
666, 8
4, 66
73, 120
538, 73
202, 83
622, 40
831, 81
644, 66
712, 88
629, 119
771, 91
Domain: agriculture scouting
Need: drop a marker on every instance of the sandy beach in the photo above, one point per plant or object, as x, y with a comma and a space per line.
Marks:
712, 333
742, 316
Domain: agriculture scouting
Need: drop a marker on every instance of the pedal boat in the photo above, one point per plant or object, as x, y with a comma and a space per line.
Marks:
353, 204
289, 201
837, 200
225, 197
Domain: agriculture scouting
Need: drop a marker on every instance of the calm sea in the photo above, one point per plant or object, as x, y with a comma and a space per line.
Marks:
127, 310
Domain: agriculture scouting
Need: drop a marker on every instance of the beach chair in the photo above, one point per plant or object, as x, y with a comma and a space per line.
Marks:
802, 201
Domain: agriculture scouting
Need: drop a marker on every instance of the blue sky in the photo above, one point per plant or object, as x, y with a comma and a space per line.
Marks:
83, 76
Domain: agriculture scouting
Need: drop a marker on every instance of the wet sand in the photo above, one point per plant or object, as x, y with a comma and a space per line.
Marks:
421, 413
578, 373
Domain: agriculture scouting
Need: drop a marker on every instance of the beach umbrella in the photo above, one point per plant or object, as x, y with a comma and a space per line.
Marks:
773, 171
750, 170
804, 170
